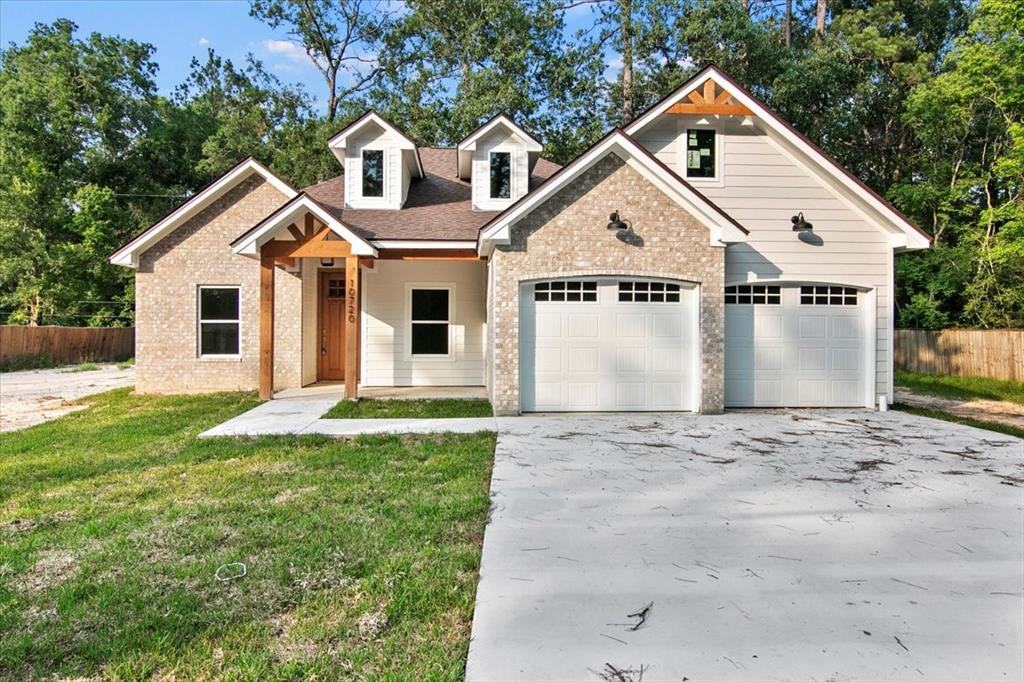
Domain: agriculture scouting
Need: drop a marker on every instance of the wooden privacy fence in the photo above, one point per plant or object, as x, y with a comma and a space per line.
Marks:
996, 353
67, 344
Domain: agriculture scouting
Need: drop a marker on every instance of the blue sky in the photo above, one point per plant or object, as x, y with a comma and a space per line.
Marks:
179, 30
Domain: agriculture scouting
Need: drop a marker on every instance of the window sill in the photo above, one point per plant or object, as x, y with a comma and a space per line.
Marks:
220, 358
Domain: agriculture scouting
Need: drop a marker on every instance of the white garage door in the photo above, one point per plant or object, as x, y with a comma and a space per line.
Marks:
795, 346
602, 344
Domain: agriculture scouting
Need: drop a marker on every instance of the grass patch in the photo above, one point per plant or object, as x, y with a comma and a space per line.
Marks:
83, 367
437, 408
125, 364
962, 388
998, 427
362, 554
25, 362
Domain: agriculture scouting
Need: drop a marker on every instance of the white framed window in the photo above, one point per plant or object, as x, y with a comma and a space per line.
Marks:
372, 173
500, 167
570, 291
753, 294
649, 292
430, 310
219, 321
828, 295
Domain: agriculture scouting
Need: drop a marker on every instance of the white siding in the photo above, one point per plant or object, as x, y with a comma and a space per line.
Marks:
386, 361
498, 140
395, 184
762, 186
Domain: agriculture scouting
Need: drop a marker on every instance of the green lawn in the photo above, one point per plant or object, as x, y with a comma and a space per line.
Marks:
362, 555
998, 427
438, 408
962, 388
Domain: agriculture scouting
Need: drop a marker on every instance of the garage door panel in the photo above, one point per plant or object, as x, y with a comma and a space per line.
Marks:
627, 348
802, 346
581, 326
630, 359
582, 360
549, 325
549, 359
630, 326
668, 326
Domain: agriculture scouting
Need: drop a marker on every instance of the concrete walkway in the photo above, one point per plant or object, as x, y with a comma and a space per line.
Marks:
300, 413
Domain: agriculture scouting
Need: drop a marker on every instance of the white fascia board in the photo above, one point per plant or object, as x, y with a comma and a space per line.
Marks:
722, 231
288, 214
529, 142
128, 255
425, 245
914, 239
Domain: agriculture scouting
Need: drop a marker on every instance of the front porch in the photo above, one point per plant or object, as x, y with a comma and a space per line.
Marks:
359, 325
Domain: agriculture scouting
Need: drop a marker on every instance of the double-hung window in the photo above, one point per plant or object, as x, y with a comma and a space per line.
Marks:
501, 175
373, 173
220, 316
430, 321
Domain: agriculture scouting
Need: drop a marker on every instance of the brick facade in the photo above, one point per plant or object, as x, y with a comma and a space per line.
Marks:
566, 236
166, 301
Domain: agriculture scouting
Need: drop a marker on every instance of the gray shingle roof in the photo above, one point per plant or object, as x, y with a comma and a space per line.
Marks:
438, 206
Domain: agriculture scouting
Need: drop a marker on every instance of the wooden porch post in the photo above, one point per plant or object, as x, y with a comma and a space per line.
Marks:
351, 327
266, 327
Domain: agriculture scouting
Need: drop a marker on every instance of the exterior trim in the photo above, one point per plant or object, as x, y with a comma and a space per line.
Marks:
917, 238
724, 229
248, 244
339, 139
424, 244
128, 254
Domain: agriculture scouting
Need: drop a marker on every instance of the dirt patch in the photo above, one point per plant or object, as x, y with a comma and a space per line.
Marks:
36, 396
1002, 412
51, 569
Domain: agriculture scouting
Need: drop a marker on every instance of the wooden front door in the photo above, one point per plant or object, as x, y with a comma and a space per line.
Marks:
331, 366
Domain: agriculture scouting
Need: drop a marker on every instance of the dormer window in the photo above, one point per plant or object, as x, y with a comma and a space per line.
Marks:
373, 173
501, 175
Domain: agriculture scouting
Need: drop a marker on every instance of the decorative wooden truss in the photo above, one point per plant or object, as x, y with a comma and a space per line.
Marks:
710, 99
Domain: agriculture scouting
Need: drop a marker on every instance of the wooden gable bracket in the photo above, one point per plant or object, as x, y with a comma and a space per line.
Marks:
710, 100
311, 243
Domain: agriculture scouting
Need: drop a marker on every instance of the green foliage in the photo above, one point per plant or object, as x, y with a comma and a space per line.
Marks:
962, 388
922, 100
436, 408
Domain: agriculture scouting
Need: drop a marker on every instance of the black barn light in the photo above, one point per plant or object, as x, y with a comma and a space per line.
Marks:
799, 224
616, 224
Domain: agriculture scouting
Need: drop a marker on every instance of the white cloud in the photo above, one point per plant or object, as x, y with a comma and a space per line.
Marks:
204, 40
287, 49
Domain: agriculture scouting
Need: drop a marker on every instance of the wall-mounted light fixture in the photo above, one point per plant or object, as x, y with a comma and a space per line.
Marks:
327, 262
616, 224
799, 224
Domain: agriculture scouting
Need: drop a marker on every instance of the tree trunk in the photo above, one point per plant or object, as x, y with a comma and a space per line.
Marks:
788, 26
332, 95
819, 20
626, 30
745, 4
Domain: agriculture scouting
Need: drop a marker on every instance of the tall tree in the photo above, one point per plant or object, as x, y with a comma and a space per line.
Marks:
75, 164
340, 37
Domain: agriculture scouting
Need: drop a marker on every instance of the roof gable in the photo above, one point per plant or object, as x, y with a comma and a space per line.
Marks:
128, 254
339, 141
692, 97
722, 227
249, 243
468, 145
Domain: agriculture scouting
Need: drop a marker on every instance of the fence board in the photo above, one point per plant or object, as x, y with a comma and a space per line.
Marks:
995, 353
67, 344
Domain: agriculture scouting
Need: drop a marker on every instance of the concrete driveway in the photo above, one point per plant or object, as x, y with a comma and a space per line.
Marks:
802, 545
36, 396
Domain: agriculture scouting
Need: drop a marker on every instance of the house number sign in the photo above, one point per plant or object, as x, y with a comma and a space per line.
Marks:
350, 303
